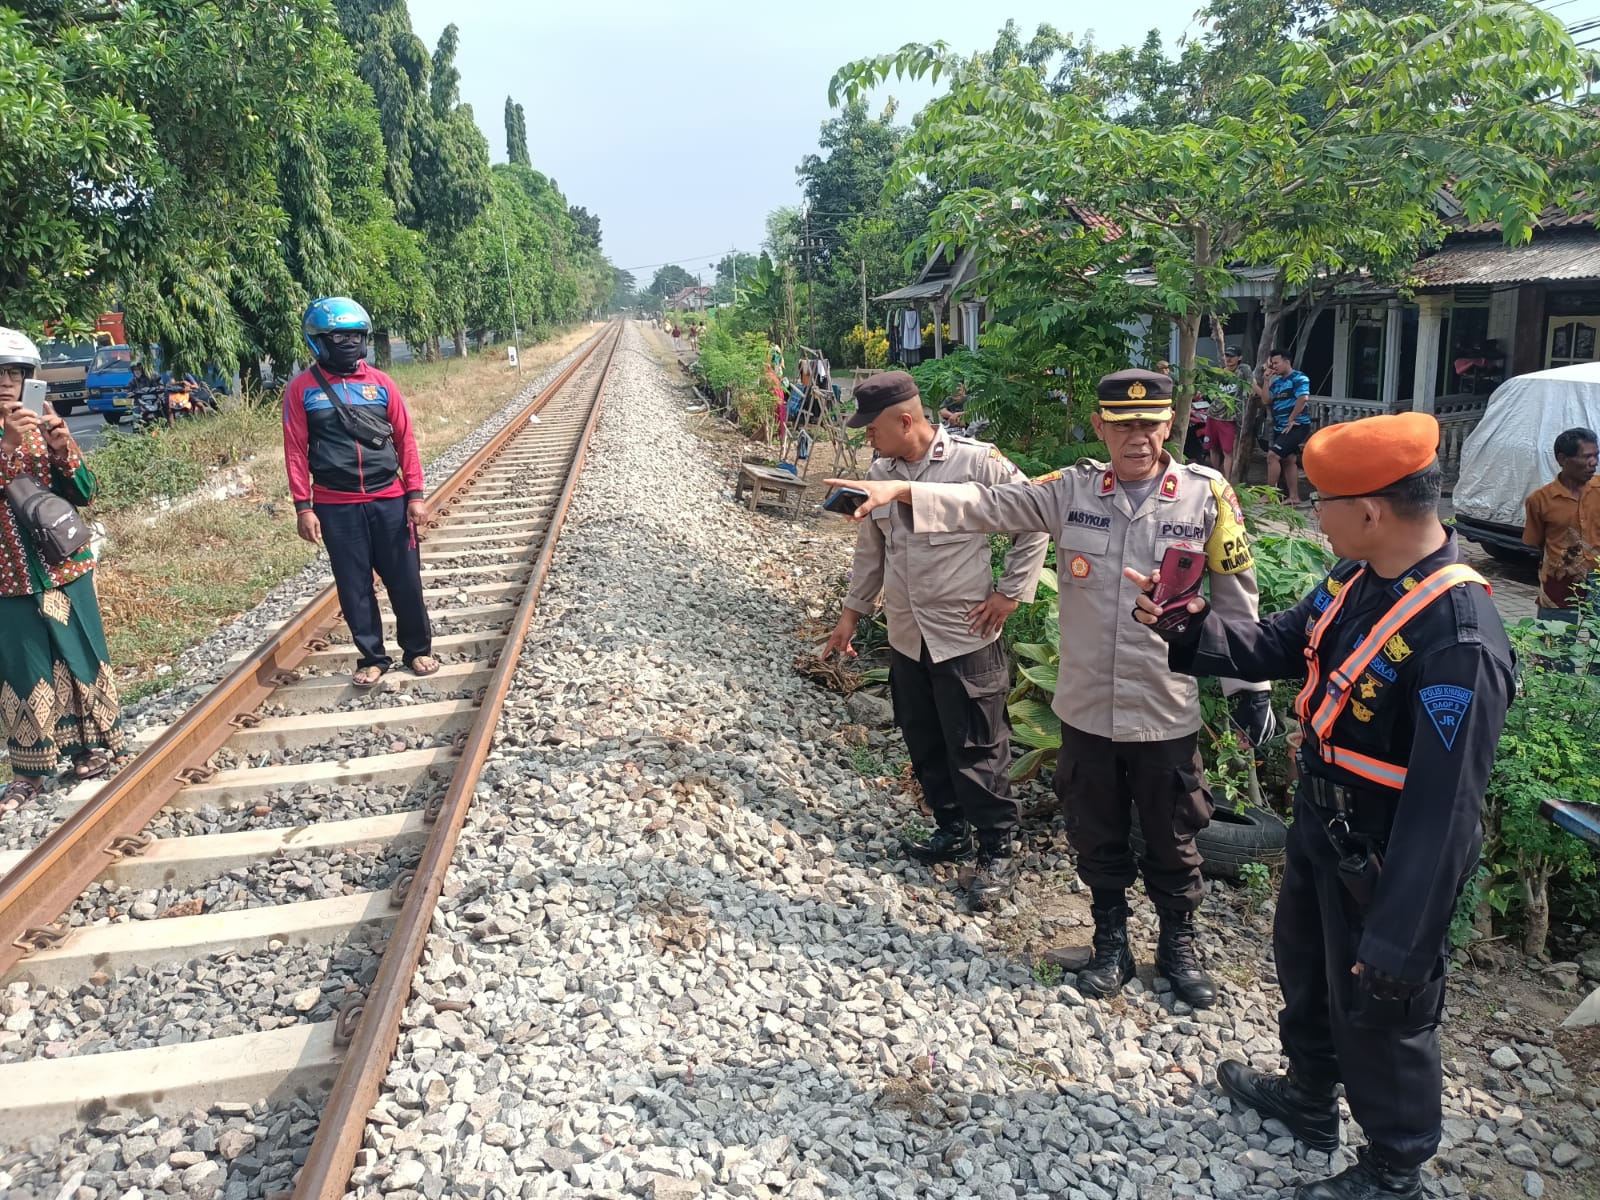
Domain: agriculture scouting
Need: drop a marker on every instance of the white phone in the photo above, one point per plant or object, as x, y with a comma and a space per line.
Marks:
34, 394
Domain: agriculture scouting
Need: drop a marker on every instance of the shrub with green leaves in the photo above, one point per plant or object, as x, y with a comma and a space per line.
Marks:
1548, 750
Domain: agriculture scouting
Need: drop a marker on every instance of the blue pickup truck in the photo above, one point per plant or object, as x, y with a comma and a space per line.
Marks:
110, 383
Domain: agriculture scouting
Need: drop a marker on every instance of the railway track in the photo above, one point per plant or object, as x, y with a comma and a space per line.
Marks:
283, 738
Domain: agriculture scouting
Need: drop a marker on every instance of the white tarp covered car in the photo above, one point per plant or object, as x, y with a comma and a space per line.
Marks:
1512, 452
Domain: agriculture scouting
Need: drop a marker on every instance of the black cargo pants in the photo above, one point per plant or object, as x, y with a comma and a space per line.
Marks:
1101, 782
953, 717
1386, 1053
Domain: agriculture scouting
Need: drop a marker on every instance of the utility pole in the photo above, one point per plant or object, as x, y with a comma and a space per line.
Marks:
863, 310
811, 320
511, 292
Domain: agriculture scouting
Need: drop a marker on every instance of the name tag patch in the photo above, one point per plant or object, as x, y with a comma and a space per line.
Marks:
1091, 520
1446, 706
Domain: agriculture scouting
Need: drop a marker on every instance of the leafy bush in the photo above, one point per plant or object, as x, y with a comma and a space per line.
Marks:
870, 347
134, 468
1548, 749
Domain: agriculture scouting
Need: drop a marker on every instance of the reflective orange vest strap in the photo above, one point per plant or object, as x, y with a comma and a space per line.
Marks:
1341, 680
1302, 702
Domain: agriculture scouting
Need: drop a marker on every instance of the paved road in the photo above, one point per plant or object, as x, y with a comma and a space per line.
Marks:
88, 428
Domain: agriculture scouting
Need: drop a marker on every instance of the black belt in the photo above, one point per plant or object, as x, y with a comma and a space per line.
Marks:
1353, 816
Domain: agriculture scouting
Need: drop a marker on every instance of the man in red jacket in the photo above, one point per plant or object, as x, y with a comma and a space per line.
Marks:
356, 480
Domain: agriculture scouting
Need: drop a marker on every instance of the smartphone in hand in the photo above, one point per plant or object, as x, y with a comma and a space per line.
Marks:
35, 392
1183, 569
845, 501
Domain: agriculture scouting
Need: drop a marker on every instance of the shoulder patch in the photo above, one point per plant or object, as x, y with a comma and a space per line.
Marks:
1050, 478
1228, 547
1446, 706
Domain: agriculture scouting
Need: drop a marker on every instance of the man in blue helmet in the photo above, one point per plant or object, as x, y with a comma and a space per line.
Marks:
356, 480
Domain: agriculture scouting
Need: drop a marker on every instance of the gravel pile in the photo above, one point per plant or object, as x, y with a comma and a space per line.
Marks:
287, 807
282, 880
179, 1002
679, 956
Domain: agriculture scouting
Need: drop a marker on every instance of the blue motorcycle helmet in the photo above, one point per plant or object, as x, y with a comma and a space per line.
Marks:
336, 314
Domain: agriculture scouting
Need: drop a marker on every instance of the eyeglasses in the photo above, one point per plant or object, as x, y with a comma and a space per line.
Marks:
1318, 500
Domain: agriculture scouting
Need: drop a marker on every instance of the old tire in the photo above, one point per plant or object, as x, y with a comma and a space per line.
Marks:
1234, 838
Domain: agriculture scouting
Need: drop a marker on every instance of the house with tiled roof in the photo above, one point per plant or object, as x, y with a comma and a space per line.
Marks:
690, 299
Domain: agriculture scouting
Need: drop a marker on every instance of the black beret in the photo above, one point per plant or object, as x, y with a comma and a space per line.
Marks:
881, 391
1135, 396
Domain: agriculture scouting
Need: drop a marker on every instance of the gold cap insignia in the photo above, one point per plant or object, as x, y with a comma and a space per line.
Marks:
1136, 390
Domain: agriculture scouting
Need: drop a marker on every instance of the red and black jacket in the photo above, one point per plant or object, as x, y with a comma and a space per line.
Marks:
326, 464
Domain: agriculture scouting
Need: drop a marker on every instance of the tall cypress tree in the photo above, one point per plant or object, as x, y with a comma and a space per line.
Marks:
516, 135
395, 63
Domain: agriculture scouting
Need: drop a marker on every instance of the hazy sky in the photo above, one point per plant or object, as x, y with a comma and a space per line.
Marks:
681, 124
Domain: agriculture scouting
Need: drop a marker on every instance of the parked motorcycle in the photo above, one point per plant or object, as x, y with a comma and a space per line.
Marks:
157, 402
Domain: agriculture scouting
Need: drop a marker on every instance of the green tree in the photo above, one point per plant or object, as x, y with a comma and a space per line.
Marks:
1333, 157
516, 134
669, 280
78, 164
394, 62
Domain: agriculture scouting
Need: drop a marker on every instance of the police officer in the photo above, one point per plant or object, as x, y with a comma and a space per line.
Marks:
1410, 673
947, 672
1129, 725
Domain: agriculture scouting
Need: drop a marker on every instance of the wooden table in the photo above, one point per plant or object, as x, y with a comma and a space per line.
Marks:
755, 480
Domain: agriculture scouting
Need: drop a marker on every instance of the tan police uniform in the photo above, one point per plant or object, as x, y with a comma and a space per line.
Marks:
1129, 721
949, 685
931, 581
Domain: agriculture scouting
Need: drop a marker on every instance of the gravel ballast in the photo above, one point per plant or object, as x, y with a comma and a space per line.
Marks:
692, 962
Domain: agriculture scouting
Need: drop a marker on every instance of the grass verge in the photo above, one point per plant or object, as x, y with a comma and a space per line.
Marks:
169, 578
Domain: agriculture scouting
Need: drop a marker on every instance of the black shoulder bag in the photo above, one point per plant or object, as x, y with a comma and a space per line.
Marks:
56, 527
367, 428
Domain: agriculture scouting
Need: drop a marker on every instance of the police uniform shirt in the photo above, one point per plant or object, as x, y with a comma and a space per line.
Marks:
1432, 701
1115, 681
931, 581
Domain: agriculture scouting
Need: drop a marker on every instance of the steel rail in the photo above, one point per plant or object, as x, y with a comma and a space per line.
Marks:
326, 1173
45, 883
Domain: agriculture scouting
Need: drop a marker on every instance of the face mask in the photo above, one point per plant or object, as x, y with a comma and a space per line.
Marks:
343, 360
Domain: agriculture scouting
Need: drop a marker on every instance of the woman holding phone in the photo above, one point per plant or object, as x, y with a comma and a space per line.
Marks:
57, 693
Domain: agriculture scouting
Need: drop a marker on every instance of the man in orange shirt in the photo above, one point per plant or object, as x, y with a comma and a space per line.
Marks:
1563, 519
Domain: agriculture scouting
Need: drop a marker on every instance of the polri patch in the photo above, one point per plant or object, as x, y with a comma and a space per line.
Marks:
1079, 566
1446, 706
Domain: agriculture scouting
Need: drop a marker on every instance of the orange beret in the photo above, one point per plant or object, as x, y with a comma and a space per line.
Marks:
1357, 457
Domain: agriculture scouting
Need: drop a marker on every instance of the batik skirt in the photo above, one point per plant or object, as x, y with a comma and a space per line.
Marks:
57, 693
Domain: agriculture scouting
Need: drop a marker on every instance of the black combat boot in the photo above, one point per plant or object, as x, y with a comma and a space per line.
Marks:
1372, 1178
1178, 958
950, 843
1112, 964
1311, 1113
996, 877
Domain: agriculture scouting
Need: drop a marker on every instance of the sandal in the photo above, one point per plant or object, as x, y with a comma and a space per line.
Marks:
365, 677
21, 790
92, 765
423, 665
